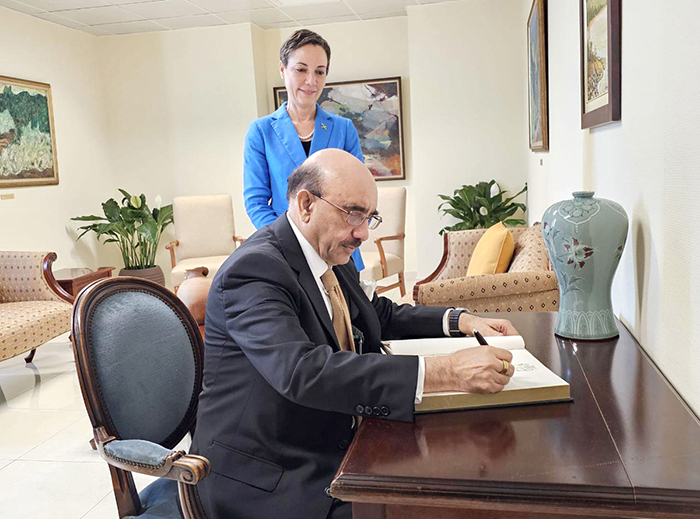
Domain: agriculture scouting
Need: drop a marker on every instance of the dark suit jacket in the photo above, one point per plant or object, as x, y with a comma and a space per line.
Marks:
275, 413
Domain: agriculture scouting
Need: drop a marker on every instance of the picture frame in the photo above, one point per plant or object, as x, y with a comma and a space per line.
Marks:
27, 135
600, 62
538, 110
374, 106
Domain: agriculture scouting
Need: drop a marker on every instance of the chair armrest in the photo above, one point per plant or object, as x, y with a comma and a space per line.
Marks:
171, 247
151, 459
467, 288
380, 248
238, 239
458, 247
57, 289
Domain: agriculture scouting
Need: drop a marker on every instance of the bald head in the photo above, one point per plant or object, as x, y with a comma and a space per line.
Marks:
327, 169
329, 186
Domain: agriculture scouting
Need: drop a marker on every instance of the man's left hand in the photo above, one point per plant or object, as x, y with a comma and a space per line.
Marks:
486, 327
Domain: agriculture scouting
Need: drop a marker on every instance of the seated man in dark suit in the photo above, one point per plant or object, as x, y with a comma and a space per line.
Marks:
292, 352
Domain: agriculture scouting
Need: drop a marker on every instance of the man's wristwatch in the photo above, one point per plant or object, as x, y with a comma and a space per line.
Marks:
453, 322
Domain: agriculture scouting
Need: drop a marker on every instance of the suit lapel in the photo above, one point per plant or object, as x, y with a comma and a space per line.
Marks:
295, 257
322, 130
287, 134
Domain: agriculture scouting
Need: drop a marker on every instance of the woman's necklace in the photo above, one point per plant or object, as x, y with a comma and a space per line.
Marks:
306, 137
301, 137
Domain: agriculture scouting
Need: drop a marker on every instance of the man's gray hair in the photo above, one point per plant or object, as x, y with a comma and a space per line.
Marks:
309, 176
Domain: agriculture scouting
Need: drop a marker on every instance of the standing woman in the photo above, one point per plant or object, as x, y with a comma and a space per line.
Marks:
277, 144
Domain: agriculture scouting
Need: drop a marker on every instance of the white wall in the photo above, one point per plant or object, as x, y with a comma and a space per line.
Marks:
38, 217
649, 162
178, 105
468, 67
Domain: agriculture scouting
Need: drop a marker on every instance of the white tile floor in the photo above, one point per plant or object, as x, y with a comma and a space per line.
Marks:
47, 468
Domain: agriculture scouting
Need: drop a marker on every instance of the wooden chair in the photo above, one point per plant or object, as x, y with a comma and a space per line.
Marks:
383, 252
139, 358
204, 234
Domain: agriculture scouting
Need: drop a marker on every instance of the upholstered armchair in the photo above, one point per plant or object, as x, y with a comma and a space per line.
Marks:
33, 307
529, 285
204, 234
139, 358
383, 252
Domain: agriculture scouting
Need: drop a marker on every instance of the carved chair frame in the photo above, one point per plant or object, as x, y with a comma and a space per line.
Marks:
186, 469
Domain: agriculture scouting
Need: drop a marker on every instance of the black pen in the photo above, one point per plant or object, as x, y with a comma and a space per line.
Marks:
480, 338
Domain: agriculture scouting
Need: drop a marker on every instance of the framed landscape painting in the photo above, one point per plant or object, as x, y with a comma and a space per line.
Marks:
374, 107
600, 62
537, 76
27, 138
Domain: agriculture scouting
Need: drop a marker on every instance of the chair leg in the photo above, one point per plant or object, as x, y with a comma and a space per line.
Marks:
30, 357
402, 285
175, 289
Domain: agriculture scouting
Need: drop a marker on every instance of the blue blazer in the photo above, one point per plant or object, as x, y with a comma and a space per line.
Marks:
273, 150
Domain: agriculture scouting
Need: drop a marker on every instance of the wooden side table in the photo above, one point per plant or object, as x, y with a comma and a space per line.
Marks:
73, 280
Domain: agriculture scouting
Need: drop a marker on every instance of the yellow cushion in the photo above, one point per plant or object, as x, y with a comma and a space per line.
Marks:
493, 253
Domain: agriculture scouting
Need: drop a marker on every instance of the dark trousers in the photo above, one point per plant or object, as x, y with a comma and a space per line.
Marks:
340, 510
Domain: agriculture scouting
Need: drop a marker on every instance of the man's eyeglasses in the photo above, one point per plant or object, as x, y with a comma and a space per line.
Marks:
355, 218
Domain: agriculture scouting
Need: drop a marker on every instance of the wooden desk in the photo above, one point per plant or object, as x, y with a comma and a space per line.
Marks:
73, 280
627, 446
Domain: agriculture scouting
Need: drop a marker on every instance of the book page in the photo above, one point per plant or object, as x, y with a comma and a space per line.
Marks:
529, 373
448, 345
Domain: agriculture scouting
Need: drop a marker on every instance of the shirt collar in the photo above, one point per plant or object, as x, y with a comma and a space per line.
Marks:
316, 264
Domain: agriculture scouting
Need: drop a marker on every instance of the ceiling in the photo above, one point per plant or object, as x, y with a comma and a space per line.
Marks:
109, 17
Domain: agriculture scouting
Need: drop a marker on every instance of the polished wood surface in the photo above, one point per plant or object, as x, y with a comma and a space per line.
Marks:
73, 280
626, 447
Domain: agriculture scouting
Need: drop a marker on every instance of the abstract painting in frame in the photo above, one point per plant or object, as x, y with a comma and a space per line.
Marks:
600, 62
374, 107
537, 76
27, 137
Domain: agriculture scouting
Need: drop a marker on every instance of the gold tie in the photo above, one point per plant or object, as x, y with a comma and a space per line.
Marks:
341, 314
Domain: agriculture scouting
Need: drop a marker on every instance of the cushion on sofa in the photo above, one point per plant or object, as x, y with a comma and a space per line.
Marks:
530, 253
493, 253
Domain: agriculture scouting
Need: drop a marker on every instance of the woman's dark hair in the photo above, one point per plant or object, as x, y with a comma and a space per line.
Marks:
299, 39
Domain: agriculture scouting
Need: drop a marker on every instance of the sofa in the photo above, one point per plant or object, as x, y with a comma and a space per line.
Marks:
529, 285
33, 307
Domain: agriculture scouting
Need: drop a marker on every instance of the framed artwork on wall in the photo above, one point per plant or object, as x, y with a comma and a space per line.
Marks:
537, 76
600, 62
374, 107
27, 137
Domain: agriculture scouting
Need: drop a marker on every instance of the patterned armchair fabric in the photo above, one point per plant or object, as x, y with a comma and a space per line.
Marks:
529, 285
31, 311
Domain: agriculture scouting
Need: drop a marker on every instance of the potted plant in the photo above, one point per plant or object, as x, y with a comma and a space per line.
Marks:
481, 206
135, 229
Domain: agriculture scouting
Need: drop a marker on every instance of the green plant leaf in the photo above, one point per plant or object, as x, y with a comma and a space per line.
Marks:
89, 218
111, 210
149, 230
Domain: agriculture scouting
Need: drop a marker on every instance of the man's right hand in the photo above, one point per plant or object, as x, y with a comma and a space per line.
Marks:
473, 370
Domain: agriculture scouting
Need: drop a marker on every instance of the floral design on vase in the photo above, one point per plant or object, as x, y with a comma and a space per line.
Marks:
585, 237
576, 252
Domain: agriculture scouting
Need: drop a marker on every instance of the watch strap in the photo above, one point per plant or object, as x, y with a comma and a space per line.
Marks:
453, 322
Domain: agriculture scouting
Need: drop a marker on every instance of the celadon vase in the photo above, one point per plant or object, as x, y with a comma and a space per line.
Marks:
585, 238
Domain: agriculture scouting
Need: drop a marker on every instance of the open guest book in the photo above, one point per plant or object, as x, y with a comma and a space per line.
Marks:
531, 383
